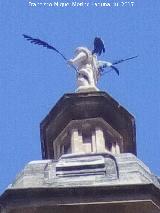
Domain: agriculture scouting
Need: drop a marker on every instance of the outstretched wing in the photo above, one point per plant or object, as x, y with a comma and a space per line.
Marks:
98, 46
122, 60
104, 64
102, 71
115, 69
42, 43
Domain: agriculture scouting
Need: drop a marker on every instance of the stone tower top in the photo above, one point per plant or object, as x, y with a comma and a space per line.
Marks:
87, 123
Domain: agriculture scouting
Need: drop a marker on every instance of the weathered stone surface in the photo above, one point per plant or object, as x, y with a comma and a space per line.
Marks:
87, 165
114, 184
85, 170
142, 198
90, 105
128, 207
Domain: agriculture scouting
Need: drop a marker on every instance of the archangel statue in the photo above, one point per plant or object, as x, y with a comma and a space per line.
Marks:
88, 67
85, 62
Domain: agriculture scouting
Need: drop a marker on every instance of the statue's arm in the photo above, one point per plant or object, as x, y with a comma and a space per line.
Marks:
104, 64
79, 58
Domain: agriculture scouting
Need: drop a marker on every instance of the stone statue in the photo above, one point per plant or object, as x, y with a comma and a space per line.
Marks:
88, 68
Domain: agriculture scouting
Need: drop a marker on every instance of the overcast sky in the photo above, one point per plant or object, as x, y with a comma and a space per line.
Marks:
33, 79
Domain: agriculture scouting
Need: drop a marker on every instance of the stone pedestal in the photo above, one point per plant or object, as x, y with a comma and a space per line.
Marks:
87, 122
89, 163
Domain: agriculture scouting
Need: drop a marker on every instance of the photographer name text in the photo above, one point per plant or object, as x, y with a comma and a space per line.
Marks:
81, 4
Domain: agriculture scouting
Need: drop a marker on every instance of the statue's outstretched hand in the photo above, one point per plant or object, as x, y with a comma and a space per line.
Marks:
71, 64
108, 64
104, 64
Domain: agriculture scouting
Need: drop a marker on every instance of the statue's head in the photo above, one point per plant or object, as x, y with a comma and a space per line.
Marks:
80, 49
